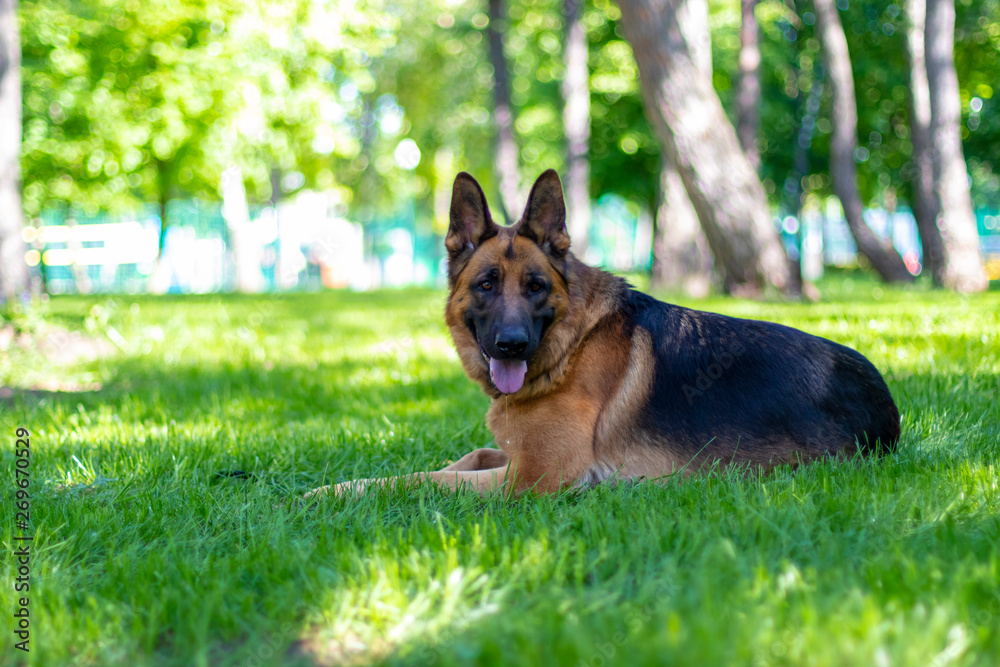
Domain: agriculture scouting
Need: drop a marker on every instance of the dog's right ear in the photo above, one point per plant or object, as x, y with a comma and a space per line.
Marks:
470, 222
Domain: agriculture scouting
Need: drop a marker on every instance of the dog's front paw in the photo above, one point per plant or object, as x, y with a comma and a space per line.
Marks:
315, 494
351, 488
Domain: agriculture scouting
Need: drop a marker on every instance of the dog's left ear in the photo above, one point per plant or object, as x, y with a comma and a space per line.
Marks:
469, 223
544, 219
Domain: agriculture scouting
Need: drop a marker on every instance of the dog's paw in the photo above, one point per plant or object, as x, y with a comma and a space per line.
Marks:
317, 493
344, 489
352, 488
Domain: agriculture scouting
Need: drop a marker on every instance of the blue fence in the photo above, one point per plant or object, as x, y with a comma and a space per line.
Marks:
304, 246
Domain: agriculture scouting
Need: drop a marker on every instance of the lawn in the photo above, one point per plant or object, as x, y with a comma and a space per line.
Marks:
143, 554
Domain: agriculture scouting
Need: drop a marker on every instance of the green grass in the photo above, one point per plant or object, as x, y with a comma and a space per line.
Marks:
143, 556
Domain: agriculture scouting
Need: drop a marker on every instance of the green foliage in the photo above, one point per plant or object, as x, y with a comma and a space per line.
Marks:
876, 35
534, 41
128, 102
624, 152
142, 555
118, 96
437, 78
977, 61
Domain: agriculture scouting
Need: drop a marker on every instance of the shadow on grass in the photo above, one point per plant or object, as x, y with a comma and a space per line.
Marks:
284, 392
293, 426
642, 561
949, 411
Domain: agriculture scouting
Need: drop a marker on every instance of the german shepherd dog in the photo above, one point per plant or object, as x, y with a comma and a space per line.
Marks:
593, 381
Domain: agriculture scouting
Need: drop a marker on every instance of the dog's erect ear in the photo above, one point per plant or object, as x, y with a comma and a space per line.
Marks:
544, 219
470, 223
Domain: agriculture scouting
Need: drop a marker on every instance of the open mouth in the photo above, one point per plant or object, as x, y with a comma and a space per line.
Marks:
507, 375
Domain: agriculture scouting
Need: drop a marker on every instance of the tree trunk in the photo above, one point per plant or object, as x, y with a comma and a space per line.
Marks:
576, 121
285, 273
246, 250
159, 280
962, 262
161, 207
688, 118
682, 260
792, 189
162, 197
13, 270
925, 207
882, 256
505, 156
81, 277
748, 86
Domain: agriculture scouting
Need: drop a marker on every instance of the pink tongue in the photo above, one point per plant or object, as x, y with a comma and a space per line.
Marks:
508, 374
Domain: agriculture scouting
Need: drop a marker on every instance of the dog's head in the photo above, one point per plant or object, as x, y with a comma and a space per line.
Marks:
508, 284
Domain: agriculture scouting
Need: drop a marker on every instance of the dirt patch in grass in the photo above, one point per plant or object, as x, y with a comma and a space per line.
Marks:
54, 346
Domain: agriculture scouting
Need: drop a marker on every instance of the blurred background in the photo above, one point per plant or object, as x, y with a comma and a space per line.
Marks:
190, 146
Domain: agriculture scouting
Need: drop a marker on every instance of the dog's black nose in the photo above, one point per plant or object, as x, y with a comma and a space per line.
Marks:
512, 342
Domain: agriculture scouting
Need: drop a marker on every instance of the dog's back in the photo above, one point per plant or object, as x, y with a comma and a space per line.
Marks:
739, 390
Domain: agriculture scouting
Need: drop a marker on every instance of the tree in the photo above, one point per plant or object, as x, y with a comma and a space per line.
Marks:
576, 123
961, 265
448, 114
922, 169
625, 154
682, 259
13, 270
145, 89
748, 84
876, 37
505, 160
844, 142
800, 160
689, 120
166, 95
977, 61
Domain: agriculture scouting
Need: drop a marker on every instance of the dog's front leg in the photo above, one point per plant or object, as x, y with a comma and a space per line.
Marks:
356, 486
480, 459
476, 470
483, 482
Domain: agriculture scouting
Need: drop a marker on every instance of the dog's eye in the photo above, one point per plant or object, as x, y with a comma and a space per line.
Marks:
535, 288
486, 285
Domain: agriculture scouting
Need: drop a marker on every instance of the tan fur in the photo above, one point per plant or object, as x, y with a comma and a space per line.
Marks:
573, 423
